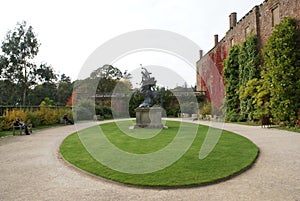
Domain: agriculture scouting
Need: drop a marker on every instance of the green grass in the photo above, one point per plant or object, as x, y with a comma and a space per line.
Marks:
232, 155
294, 129
246, 123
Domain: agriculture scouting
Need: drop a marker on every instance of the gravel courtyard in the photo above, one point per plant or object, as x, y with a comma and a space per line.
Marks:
32, 169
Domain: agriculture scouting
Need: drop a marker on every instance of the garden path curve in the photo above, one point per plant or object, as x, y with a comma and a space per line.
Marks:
32, 169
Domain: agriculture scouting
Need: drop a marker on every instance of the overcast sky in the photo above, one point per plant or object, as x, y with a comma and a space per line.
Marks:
69, 31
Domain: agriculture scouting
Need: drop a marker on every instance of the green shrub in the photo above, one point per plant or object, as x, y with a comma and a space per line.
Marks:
62, 111
85, 110
10, 116
47, 115
33, 118
281, 73
103, 111
189, 107
173, 111
3, 123
43, 116
205, 109
232, 116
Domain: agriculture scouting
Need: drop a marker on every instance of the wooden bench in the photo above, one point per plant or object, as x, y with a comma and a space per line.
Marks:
63, 121
98, 117
265, 122
21, 129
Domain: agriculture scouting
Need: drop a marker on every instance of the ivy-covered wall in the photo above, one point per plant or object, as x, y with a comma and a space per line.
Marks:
268, 89
280, 74
257, 22
241, 66
210, 75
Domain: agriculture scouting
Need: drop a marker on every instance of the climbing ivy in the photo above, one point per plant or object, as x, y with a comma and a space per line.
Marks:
231, 75
241, 71
281, 71
249, 64
261, 98
254, 91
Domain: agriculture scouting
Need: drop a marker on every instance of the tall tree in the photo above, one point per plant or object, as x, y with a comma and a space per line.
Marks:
65, 78
108, 76
9, 93
19, 49
42, 91
64, 90
107, 72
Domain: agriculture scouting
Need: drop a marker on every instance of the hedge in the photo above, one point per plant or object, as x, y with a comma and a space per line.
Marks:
40, 117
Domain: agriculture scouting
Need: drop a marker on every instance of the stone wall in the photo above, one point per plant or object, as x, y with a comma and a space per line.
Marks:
209, 76
258, 21
287, 8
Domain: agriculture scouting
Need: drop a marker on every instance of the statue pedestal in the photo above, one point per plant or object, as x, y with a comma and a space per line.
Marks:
148, 117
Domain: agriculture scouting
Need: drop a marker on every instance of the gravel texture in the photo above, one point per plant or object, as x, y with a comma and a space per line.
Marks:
32, 169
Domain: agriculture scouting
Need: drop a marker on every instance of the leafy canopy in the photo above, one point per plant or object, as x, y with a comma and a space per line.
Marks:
16, 63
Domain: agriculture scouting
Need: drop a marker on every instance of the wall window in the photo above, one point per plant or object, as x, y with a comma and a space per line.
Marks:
275, 16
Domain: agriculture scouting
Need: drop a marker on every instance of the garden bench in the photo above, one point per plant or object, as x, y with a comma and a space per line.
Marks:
66, 120
265, 122
21, 129
98, 117
63, 121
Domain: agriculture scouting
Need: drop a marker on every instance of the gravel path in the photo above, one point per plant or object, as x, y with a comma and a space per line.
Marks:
31, 169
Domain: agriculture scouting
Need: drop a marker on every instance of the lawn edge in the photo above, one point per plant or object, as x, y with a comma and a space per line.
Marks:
162, 187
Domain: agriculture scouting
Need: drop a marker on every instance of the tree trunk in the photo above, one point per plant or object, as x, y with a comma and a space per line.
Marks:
25, 86
24, 95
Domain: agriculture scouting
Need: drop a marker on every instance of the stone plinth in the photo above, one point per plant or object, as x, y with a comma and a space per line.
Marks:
148, 117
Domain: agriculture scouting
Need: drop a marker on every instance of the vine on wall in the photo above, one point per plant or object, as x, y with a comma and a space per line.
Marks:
249, 63
241, 66
272, 90
281, 72
231, 76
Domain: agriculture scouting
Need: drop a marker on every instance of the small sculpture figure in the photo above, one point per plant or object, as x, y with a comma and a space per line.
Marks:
147, 114
147, 88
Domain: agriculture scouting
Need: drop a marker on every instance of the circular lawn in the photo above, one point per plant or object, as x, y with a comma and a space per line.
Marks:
231, 155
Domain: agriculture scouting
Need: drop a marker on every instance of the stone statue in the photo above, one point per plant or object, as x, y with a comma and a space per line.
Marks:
148, 116
147, 88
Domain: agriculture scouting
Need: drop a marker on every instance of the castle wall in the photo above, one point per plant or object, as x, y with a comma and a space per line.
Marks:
209, 74
287, 8
259, 21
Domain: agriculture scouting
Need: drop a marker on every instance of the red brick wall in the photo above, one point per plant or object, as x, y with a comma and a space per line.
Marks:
210, 74
238, 33
257, 21
287, 8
